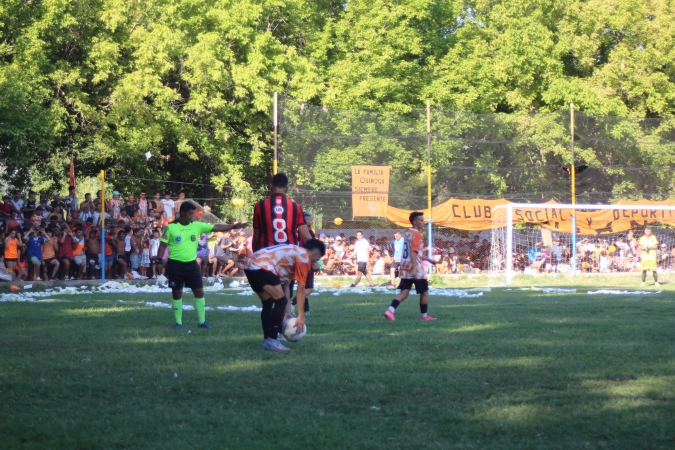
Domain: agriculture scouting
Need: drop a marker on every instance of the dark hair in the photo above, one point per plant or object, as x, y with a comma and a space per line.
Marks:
280, 180
156, 192
187, 206
315, 244
414, 215
168, 193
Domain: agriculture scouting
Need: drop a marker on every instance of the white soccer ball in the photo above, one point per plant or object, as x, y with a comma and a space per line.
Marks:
647, 247
291, 333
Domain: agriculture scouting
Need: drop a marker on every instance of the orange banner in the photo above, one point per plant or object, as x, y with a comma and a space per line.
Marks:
370, 191
477, 214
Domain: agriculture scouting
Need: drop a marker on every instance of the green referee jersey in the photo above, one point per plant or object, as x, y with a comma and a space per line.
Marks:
183, 239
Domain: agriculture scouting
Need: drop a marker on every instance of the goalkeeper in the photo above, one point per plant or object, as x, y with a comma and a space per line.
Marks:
648, 245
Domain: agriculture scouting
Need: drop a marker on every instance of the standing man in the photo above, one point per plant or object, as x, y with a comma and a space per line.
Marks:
396, 260
278, 219
362, 252
412, 271
169, 205
182, 269
648, 244
266, 271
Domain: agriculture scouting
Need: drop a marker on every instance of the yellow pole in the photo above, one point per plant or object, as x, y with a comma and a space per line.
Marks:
101, 200
430, 228
275, 164
573, 171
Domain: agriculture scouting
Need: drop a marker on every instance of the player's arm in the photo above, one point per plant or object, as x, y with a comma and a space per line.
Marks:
255, 242
163, 242
223, 227
303, 230
301, 270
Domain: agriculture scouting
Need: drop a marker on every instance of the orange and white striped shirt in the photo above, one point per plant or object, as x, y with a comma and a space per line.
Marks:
412, 242
286, 261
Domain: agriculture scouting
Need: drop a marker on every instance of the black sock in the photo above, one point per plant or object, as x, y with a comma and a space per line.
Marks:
266, 318
656, 276
307, 304
278, 313
423, 308
294, 301
395, 303
644, 275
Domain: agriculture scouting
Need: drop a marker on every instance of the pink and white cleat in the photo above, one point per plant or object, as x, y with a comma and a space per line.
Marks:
389, 315
427, 318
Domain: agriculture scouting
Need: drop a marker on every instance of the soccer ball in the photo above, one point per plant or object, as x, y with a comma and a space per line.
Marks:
337, 221
647, 247
291, 333
336, 285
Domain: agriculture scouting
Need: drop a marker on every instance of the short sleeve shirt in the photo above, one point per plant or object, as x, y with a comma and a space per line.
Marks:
362, 249
651, 241
183, 239
288, 262
412, 242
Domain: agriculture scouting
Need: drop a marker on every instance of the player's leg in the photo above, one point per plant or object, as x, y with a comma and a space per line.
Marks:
369, 278
176, 284
644, 276
193, 279
358, 278
422, 287
405, 285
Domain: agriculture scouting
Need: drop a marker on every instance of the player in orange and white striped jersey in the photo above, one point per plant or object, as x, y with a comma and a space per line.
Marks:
411, 269
267, 270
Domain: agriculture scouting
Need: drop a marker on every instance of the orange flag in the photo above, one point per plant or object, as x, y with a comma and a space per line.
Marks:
71, 180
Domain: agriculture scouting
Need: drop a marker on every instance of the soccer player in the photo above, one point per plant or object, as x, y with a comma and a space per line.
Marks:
396, 260
648, 245
182, 269
267, 270
411, 269
278, 219
362, 253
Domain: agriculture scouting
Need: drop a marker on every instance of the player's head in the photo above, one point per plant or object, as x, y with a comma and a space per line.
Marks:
416, 216
648, 231
187, 212
309, 218
397, 235
359, 235
279, 183
316, 249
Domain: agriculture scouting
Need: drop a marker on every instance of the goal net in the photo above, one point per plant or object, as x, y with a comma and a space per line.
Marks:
563, 238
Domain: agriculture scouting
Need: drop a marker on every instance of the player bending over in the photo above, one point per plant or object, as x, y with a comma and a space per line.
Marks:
648, 244
182, 269
267, 270
411, 269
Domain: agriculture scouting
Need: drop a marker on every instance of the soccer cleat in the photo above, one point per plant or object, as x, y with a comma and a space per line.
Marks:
427, 318
656, 283
204, 325
274, 345
389, 315
372, 286
352, 285
177, 326
643, 284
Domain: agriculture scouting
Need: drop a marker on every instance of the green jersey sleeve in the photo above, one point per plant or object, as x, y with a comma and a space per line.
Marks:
205, 227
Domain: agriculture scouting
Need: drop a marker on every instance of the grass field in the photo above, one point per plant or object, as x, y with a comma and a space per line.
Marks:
514, 368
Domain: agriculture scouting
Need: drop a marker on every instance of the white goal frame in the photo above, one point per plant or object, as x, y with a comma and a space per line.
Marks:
508, 250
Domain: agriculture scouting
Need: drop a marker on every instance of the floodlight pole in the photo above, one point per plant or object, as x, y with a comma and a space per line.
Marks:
574, 196
102, 201
429, 233
275, 164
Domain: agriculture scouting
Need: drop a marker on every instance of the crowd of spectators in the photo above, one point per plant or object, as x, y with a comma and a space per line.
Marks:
49, 237
594, 255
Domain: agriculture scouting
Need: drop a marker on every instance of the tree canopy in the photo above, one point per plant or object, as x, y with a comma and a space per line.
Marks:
191, 81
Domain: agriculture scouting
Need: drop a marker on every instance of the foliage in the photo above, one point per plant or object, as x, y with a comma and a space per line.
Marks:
191, 82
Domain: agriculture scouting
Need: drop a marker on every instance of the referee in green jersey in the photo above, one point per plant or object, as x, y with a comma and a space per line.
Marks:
182, 269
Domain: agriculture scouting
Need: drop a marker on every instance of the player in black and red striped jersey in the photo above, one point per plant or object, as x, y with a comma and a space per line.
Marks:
278, 219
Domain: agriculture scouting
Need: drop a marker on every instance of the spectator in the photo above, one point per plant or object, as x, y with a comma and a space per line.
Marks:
169, 206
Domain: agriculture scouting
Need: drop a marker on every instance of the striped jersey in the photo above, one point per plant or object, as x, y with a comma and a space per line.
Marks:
288, 262
412, 242
278, 218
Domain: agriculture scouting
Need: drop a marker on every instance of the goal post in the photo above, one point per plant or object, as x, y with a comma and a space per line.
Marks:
551, 237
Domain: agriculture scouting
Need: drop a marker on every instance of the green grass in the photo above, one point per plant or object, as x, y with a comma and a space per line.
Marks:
511, 369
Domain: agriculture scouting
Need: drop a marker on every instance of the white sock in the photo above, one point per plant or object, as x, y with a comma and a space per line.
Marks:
391, 308
424, 315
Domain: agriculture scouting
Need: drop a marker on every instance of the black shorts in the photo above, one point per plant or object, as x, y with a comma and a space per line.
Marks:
11, 259
362, 267
260, 278
184, 274
395, 265
91, 257
421, 286
49, 261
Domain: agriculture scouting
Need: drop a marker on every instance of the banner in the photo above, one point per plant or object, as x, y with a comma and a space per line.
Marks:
477, 214
370, 191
